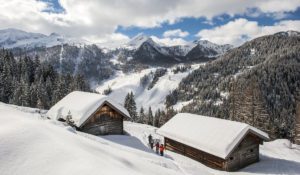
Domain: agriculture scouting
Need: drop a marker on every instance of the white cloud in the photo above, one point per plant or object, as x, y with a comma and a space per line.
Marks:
169, 41
83, 18
240, 30
175, 33
109, 40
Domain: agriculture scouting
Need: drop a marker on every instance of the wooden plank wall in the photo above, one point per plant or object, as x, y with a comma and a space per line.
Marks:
105, 121
247, 152
203, 157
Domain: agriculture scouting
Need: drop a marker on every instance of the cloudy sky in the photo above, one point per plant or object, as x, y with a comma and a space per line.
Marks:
168, 21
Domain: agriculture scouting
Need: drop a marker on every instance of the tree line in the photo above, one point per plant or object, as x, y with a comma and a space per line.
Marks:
27, 81
147, 116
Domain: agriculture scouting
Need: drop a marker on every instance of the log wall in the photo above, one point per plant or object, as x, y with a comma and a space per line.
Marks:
104, 121
201, 156
247, 152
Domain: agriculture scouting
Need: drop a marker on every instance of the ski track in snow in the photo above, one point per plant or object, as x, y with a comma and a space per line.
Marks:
61, 57
78, 59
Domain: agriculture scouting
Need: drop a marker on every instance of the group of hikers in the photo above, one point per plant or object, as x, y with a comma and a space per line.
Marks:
159, 148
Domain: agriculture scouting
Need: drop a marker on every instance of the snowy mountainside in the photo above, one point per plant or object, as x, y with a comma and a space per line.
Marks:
121, 84
180, 50
86, 60
137, 41
219, 49
256, 66
13, 38
59, 149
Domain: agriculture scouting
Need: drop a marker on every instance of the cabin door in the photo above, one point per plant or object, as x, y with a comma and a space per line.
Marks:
103, 130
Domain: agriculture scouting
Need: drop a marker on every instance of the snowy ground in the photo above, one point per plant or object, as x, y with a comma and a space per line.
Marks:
122, 83
33, 145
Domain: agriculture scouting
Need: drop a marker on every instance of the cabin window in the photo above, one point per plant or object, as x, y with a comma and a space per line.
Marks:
251, 150
231, 158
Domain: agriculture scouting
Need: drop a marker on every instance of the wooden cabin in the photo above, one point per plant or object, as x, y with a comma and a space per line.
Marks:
92, 113
217, 143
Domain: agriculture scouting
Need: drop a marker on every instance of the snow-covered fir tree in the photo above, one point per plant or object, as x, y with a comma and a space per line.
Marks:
69, 119
130, 105
150, 117
142, 116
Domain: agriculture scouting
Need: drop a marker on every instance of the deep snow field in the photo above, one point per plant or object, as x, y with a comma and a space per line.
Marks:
33, 145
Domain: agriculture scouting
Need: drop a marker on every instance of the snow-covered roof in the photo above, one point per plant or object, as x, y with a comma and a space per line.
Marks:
82, 105
211, 135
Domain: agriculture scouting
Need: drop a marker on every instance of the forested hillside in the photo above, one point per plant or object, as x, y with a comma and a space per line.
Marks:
28, 82
87, 60
255, 83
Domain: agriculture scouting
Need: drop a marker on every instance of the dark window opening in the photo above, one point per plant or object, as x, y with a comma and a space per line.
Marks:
251, 150
231, 158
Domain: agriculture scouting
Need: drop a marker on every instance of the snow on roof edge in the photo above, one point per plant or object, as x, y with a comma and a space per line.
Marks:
81, 105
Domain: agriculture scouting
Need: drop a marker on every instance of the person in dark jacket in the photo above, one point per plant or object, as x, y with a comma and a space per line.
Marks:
161, 149
157, 148
150, 140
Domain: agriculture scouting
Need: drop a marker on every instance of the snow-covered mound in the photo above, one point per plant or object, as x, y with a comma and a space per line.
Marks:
12, 38
121, 84
31, 146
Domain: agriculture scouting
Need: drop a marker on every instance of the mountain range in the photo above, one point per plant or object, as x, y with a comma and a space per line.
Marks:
140, 49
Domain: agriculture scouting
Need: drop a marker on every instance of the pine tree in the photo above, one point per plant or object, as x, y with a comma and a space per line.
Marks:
142, 116
33, 95
42, 96
156, 118
150, 117
132, 105
69, 119
297, 120
25, 92
162, 118
15, 99
60, 91
126, 102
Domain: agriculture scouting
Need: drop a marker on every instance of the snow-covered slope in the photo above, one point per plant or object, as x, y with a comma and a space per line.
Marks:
12, 38
32, 145
121, 84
